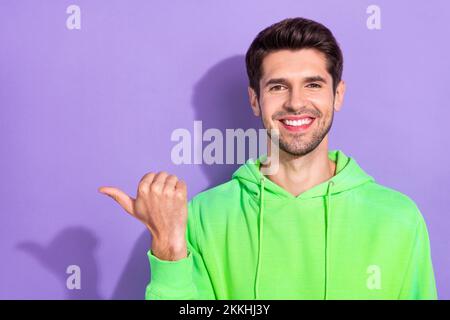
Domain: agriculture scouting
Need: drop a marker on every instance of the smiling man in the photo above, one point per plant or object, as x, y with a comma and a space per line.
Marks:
318, 228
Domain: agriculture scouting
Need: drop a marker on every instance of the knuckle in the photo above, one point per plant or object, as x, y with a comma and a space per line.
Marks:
143, 188
168, 192
163, 174
172, 177
180, 194
182, 184
156, 187
148, 176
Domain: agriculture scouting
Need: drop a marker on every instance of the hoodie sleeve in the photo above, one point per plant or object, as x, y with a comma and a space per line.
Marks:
419, 282
184, 279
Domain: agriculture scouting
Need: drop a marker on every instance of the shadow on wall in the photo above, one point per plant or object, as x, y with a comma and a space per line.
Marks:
77, 246
71, 246
136, 275
220, 101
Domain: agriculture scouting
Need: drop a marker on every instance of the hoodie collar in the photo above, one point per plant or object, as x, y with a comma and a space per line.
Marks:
348, 175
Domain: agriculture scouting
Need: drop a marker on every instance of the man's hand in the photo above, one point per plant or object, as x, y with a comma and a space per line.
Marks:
161, 204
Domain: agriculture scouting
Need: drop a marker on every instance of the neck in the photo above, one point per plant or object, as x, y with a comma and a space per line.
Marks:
296, 174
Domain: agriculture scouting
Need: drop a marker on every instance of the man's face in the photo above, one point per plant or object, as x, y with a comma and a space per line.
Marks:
296, 97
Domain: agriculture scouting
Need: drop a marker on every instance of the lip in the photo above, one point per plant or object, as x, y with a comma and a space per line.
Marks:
303, 116
297, 129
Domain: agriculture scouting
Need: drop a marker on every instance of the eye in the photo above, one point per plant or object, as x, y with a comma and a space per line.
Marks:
314, 85
277, 87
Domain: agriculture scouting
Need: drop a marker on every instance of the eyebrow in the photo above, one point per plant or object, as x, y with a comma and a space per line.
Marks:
285, 82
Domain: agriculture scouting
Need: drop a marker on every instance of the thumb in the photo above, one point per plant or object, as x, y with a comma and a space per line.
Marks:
124, 200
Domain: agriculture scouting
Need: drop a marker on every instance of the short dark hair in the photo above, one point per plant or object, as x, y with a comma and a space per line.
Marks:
294, 34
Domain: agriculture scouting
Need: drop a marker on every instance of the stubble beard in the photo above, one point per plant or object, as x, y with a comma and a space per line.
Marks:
295, 146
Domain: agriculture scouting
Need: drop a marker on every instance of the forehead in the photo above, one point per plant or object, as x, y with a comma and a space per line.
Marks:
294, 63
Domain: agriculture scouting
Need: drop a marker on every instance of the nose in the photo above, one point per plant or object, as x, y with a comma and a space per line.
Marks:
296, 100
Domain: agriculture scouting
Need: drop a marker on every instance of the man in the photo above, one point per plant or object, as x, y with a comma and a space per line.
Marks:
318, 228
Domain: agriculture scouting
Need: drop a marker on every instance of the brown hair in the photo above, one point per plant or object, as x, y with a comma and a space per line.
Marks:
295, 34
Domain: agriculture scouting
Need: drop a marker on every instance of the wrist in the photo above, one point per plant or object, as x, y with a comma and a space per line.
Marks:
169, 250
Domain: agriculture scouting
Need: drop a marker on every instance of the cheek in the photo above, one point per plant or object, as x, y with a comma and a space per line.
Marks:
267, 119
273, 102
322, 102
269, 106
320, 98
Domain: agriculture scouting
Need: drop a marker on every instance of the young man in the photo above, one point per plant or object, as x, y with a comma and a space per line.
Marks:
318, 228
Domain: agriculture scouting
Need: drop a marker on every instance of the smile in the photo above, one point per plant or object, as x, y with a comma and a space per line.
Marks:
297, 124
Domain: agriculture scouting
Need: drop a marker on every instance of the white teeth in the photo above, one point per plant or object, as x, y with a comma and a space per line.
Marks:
296, 123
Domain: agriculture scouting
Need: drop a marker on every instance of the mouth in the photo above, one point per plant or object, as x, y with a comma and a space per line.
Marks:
297, 123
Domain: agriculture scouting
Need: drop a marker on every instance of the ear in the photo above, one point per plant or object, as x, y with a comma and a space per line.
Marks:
339, 96
254, 101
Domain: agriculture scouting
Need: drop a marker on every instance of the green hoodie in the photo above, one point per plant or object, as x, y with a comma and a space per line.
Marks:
346, 238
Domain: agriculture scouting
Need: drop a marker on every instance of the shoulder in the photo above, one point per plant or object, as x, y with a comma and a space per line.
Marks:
220, 195
215, 206
389, 204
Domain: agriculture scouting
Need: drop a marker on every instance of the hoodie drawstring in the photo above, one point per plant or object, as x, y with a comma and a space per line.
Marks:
327, 215
261, 216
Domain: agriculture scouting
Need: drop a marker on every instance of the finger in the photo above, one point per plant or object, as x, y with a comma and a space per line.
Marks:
145, 183
161, 177
148, 178
181, 187
158, 182
170, 184
124, 200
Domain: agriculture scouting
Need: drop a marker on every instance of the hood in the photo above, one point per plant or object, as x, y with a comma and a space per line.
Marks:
349, 175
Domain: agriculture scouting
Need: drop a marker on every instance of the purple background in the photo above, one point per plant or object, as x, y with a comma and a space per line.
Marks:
96, 106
